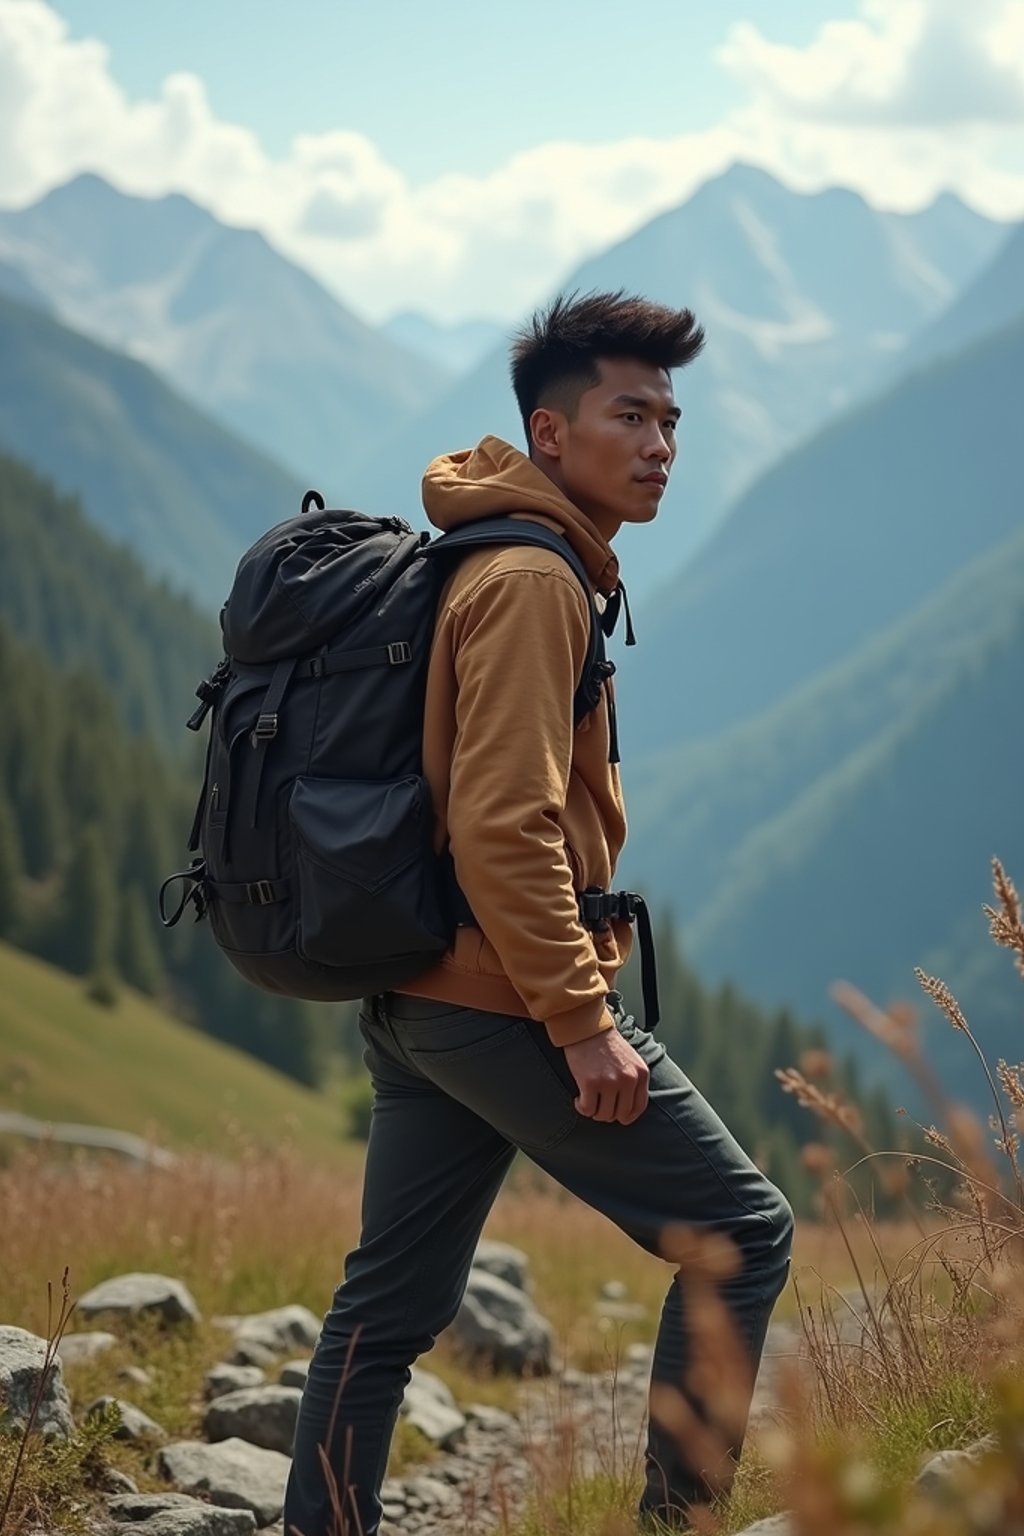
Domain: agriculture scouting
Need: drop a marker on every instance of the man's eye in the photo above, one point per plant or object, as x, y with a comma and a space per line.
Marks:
672, 424
631, 415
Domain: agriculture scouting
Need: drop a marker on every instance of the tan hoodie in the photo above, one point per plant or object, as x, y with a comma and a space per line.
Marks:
531, 808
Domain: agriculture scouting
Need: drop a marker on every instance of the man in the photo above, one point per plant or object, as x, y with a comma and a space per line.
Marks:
517, 1039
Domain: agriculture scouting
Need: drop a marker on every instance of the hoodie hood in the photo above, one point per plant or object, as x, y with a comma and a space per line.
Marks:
496, 480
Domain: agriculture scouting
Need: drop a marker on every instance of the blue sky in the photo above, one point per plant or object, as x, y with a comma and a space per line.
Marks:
462, 159
454, 84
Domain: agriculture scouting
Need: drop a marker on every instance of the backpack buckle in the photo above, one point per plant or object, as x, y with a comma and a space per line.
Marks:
265, 729
398, 652
260, 893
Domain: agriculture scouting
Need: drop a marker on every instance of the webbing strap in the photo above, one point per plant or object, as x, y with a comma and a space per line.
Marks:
252, 893
392, 655
596, 907
265, 729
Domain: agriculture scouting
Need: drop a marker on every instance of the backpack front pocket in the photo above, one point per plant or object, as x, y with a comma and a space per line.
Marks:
367, 875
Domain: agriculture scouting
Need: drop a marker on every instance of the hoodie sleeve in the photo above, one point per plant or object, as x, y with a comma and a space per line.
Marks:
520, 639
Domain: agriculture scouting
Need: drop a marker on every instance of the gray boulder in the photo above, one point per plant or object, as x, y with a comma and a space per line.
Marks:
133, 1295
22, 1358
498, 1326
176, 1514
278, 1331
501, 1259
775, 1525
259, 1415
76, 1347
293, 1373
233, 1474
136, 1374
224, 1378
494, 1420
430, 1407
943, 1469
135, 1425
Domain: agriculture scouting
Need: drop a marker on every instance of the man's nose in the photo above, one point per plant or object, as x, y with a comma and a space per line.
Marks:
658, 448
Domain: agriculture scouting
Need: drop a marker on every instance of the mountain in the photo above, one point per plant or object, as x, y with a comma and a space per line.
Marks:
847, 534
806, 301
151, 470
241, 331
453, 348
884, 863
68, 592
994, 299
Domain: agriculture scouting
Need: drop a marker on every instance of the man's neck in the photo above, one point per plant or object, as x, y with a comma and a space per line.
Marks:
604, 523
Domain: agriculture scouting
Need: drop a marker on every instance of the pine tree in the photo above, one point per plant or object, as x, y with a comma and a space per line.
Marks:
84, 941
138, 953
10, 870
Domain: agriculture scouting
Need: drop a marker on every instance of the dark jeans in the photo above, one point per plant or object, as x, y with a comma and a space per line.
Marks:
456, 1092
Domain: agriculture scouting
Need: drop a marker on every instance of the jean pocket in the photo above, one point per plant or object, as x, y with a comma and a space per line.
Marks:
499, 1068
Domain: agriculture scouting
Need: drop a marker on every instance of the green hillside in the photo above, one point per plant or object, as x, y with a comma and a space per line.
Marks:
848, 833
833, 545
151, 471
134, 1068
69, 592
694, 807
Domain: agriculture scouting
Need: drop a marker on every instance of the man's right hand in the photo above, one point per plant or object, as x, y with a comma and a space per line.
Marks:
611, 1077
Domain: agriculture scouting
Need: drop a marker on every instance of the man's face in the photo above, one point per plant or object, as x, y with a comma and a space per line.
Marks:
615, 454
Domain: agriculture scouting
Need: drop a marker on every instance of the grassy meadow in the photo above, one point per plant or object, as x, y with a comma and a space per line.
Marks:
933, 1361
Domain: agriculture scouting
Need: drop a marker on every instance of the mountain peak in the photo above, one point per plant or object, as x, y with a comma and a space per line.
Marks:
90, 194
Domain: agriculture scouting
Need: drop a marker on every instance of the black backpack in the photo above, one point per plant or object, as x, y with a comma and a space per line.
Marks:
313, 832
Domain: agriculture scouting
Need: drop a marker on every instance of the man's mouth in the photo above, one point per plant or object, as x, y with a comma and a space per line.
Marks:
655, 478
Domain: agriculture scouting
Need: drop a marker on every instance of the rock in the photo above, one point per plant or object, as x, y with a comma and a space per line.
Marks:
132, 1295
775, 1525
134, 1425
497, 1325
224, 1378
441, 1422
613, 1290
176, 1514
251, 1353
944, 1467
433, 1386
278, 1330
293, 1373
501, 1259
428, 1493
113, 1480
259, 1415
639, 1354
136, 1374
233, 1474
76, 1347
22, 1356
493, 1420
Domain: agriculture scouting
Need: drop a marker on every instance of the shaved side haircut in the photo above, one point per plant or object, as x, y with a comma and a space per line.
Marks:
555, 357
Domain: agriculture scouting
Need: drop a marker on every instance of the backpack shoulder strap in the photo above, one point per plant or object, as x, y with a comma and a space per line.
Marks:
503, 531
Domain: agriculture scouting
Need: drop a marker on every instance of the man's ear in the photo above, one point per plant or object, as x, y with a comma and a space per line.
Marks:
547, 428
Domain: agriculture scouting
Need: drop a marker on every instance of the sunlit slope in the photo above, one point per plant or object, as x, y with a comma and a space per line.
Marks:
134, 1068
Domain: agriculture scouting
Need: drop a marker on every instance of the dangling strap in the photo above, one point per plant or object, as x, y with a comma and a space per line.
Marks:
597, 906
194, 882
265, 729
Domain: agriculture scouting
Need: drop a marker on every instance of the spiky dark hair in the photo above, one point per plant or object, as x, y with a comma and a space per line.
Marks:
556, 353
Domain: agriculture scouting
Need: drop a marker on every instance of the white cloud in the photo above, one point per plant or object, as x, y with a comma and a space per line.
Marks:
913, 63
875, 103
